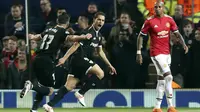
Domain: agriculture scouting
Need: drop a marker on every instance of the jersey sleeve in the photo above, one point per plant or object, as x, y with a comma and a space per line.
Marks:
173, 26
43, 33
65, 34
83, 32
145, 28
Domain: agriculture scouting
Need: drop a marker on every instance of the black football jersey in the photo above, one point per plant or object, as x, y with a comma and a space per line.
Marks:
52, 38
87, 47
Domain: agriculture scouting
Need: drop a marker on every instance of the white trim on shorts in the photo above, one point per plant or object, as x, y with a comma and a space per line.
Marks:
88, 70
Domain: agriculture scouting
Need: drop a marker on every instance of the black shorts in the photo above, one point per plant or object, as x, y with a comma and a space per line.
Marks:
43, 69
79, 66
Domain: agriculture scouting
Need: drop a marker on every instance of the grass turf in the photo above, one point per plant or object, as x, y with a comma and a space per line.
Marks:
101, 110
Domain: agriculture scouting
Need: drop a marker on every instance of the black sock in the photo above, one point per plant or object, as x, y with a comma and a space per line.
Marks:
94, 80
58, 96
37, 100
41, 89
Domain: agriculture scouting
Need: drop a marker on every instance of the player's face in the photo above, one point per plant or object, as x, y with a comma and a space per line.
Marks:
16, 12
99, 22
197, 35
158, 8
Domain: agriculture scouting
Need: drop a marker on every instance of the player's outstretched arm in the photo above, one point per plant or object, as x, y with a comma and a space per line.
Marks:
36, 37
72, 49
76, 38
139, 47
178, 35
105, 59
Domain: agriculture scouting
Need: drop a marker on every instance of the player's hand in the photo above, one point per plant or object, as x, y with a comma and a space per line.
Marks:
139, 58
112, 70
61, 61
185, 48
88, 36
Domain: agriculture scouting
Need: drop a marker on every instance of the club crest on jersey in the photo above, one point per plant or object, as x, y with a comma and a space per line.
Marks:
167, 24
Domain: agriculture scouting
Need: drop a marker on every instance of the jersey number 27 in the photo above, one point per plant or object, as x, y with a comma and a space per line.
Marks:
47, 39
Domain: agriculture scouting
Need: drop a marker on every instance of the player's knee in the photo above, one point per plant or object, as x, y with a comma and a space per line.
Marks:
168, 78
71, 84
100, 74
50, 91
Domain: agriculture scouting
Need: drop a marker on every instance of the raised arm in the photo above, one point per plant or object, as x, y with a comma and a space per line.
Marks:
75, 38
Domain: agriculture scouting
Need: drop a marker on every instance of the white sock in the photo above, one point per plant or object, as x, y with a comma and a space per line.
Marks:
160, 89
169, 90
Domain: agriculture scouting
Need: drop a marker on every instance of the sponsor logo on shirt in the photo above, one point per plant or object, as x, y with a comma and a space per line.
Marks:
163, 34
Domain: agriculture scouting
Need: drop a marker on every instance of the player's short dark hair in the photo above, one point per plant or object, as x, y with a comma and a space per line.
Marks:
63, 19
99, 13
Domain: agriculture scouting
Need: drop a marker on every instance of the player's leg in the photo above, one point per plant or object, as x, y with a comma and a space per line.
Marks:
98, 75
89, 67
38, 99
39, 67
162, 62
168, 86
160, 88
69, 86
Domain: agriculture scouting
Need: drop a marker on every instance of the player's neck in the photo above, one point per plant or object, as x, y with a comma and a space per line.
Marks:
95, 28
159, 16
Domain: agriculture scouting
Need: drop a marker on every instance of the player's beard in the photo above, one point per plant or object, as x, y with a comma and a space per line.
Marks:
158, 13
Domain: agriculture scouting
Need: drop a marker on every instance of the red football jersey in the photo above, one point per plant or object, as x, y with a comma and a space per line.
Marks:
159, 30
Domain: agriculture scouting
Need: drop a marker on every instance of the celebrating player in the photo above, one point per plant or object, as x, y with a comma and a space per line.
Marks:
81, 63
43, 65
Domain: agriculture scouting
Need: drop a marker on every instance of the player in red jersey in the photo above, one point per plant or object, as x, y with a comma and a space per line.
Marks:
159, 27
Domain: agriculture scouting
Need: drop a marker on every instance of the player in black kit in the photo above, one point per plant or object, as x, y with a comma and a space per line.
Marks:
81, 63
43, 65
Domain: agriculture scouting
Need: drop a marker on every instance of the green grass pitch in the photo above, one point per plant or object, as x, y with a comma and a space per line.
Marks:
102, 110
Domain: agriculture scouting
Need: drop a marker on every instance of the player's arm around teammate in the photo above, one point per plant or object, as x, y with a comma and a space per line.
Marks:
72, 38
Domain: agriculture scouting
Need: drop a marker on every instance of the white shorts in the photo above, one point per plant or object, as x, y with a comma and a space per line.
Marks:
162, 63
